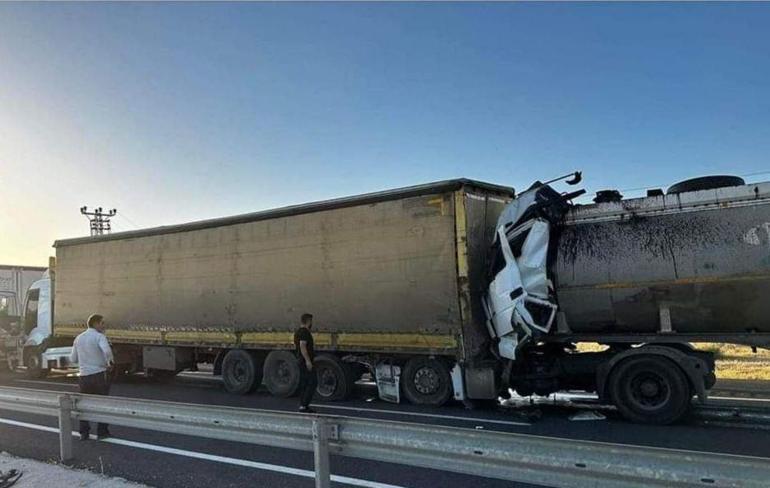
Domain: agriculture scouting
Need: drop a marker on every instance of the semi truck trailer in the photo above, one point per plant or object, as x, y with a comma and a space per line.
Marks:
452, 290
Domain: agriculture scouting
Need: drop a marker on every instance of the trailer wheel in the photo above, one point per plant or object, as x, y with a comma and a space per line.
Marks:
426, 381
650, 390
335, 378
33, 360
282, 373
241, 372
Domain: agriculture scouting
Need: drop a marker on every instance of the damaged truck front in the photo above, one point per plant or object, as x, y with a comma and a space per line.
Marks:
644, 277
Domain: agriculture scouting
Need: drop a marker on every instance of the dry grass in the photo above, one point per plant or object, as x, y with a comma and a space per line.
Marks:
733, 362
590, 347
739, 363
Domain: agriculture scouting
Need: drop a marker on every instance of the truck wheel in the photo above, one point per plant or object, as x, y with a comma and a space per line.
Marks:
282, 373
426, 381
650, 390
241, 372
335, 378
33, 360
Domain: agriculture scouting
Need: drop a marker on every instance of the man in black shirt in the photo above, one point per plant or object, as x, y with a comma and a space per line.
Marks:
303, 343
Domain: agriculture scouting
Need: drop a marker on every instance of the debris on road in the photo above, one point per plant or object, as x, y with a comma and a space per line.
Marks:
36, 474
9, 478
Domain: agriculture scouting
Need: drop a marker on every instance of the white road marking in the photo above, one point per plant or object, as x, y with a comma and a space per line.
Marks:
201, 377
739, 399
39, 382
198, 374
305, 473
44, 428
418, 414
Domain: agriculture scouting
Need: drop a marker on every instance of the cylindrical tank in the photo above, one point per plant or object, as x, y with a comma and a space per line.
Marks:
702, 255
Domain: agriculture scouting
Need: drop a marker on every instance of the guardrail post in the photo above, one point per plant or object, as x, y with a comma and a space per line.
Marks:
65, 428
321, 453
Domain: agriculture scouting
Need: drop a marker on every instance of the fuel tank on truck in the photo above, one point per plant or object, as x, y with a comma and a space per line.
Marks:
700, 257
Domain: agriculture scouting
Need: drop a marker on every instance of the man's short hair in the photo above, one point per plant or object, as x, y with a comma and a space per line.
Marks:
94, 319
306, 318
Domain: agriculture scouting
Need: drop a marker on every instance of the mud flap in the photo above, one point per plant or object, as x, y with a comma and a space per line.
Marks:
458, 382
388, 377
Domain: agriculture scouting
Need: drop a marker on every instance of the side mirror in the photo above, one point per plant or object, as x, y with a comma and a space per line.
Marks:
576, 178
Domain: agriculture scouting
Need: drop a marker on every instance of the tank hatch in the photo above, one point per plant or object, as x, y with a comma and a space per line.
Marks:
604, 196
705, 183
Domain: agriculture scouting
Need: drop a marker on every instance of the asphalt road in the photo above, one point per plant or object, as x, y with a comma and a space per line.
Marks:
166, 460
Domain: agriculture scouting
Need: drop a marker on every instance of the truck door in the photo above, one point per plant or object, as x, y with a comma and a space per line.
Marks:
37, 313
30, 311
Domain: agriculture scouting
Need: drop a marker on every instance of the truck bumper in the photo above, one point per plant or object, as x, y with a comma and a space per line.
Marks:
57, 358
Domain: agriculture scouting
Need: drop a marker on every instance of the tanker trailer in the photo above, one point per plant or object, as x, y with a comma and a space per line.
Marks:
646, 277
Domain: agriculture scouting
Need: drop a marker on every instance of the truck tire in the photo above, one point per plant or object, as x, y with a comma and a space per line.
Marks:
426, 381
241, 372
33, 360
335, 378
649, 389
282, 374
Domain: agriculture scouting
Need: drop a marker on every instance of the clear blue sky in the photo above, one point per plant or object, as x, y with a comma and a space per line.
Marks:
177, 112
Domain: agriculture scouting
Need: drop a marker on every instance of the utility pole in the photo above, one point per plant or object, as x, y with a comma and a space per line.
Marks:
99, 220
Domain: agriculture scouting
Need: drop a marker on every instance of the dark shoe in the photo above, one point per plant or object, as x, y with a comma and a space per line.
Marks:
84, 437
306, 410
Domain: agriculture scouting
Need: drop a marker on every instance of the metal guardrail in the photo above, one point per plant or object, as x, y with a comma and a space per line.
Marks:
516, 457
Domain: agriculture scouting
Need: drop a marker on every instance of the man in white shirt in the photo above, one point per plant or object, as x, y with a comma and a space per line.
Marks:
93, 353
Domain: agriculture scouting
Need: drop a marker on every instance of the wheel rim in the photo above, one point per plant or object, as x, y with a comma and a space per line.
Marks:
649, 391
34, 362
327, 382
426, 380
283, 373
240, 371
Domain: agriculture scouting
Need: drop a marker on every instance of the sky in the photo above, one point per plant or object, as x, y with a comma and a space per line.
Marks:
179, 112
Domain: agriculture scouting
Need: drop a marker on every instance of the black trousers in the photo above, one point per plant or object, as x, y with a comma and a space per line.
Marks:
93, 384
308, 382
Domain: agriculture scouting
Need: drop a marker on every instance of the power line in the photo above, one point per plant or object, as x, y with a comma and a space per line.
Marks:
99, 220
118, 226
756, 174
123, 216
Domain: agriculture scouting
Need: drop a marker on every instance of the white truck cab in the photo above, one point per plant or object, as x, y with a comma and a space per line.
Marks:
37, 330
38, 313
520, 304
